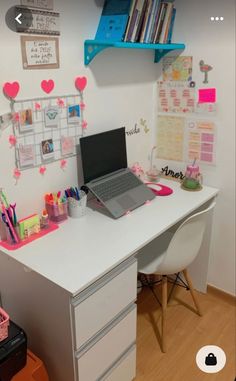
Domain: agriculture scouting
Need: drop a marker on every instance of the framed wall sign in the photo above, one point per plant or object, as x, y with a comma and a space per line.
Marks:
40, 52
39, 22
43, 4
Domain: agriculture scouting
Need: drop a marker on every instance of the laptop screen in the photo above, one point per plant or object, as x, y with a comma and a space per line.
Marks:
103, 153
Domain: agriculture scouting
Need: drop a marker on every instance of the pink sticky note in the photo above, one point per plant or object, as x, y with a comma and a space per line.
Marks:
206, 95
207, 157
206, 147
207, 137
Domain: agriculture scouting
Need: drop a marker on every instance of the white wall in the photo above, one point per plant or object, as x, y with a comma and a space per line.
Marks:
214, 42
120, 91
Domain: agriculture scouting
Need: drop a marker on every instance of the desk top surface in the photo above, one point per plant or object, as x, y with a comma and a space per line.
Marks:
82, 250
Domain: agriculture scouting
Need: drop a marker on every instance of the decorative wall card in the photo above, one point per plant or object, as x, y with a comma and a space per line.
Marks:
175, 97
201, 141
26, 155
170, 137
205, 68
40, 52
39, 22
51, 116
73, 113
67, 145
44, 4
47, 148
25, 120
207, 95
177, 69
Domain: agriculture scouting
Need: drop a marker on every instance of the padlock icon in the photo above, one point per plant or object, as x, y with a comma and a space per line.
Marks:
211, 359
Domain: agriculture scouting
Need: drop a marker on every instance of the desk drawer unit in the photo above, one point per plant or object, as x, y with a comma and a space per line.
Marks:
100, 356
103, 301
124, 369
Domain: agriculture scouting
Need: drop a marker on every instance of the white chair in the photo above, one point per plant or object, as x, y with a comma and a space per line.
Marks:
172, 253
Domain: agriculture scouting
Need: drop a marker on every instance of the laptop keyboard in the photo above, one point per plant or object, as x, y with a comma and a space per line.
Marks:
116, 186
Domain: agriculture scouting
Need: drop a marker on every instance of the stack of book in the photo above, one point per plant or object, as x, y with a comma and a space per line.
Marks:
144, 21
150, 21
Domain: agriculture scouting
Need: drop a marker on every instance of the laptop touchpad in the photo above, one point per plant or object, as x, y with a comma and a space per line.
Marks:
126, 201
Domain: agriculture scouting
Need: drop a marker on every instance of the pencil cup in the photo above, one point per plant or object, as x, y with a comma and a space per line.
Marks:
57, 212
77, 208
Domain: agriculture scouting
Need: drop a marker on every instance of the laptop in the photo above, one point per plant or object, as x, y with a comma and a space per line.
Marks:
104, 163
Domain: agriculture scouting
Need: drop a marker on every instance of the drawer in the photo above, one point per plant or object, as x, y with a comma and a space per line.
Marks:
125, 369
107, 350
102, 302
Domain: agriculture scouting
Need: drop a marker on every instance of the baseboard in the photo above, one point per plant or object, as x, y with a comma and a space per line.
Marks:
221, 294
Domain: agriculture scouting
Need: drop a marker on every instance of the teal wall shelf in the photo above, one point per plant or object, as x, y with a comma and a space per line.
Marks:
94, 47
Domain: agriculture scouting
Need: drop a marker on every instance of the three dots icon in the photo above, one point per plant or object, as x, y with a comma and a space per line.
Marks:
217, 18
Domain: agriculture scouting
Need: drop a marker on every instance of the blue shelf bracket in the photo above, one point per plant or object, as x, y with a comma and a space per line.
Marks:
91, 49
160, 53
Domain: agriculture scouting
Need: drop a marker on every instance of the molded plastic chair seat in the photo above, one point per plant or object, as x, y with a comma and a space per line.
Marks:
148, 264
172, 253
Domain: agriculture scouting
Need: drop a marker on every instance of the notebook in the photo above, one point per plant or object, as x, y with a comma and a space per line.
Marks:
104, 163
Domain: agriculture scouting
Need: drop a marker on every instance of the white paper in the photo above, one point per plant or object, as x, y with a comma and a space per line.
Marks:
41, 52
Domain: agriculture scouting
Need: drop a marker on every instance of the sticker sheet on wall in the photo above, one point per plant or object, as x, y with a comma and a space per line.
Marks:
201, 141
170, 138
46, 129
175, 97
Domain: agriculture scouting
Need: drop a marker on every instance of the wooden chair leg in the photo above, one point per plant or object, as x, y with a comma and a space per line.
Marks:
190, 285
164, 308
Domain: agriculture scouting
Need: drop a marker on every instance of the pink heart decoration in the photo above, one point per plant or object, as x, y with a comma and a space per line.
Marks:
80, 83
47, 86
16, 173
11, 89
12, 140
63, 163
84, 124
42, 170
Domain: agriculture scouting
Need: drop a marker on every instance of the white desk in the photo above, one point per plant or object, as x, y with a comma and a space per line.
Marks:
43, 282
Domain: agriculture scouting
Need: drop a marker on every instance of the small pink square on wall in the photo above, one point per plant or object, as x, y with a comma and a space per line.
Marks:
207, 157
207, 95
207, 137
206, 147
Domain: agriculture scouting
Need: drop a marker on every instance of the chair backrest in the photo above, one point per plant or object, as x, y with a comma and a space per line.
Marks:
185, 243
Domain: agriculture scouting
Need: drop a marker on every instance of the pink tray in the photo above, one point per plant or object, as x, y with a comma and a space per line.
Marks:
8, 246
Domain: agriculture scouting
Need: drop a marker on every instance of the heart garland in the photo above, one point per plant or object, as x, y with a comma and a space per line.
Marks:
80, 83
47, 86
11, 89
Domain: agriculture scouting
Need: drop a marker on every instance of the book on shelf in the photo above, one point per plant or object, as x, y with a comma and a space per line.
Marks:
171, 26
145, 20
140, 22
152, 21
166, 24
155, 21
148, 26
113, 20
136, 21
127, 32
160, 23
